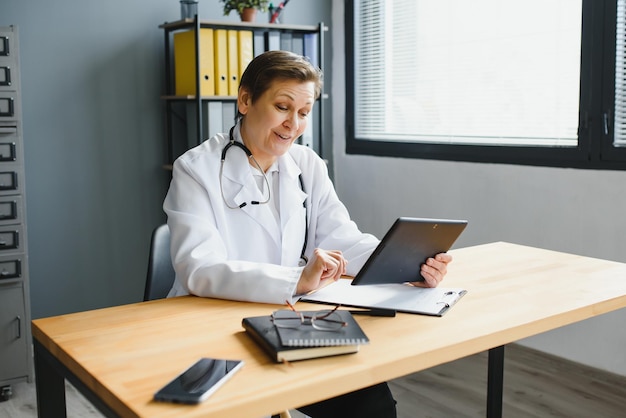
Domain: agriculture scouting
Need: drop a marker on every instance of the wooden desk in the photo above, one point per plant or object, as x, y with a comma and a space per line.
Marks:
120, 356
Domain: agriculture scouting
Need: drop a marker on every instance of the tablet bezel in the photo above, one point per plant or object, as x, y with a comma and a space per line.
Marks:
406, 246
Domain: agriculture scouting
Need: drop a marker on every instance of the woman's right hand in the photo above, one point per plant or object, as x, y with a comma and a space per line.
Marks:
324, 265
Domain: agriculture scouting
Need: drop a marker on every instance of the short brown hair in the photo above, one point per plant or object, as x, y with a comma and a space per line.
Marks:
278, 65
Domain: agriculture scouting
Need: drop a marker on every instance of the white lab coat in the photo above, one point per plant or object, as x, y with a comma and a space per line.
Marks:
244, 254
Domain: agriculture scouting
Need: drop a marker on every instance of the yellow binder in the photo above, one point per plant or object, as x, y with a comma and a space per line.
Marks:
233, 63
246, 49
220, 50
185, 63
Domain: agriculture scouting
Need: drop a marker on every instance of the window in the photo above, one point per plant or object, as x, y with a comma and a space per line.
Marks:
526, 82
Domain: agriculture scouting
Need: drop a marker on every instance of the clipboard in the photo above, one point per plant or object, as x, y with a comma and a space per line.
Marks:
390, 296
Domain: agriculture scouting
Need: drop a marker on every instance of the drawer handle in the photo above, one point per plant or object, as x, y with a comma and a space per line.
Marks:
19, 327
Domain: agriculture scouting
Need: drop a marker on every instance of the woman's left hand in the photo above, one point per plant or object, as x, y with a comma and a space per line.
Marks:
434, 270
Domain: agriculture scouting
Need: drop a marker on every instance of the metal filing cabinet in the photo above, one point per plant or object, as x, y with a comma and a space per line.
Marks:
15, 336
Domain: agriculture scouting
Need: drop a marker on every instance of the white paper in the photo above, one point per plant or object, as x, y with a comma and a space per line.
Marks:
399, 297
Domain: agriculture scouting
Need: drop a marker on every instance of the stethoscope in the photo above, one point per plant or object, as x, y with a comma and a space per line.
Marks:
303, 258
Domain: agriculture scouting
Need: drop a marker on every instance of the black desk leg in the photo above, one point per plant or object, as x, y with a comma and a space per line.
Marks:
495, 382
50, 385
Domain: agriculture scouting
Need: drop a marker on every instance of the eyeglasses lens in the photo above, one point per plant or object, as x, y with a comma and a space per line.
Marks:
327, 321
287, 319
322, 320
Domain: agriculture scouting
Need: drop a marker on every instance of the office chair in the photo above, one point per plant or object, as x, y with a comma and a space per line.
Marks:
160, 277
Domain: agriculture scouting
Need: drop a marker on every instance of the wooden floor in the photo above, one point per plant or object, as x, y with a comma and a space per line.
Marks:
536, 385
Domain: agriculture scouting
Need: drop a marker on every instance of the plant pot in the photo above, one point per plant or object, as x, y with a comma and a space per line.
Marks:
248, 14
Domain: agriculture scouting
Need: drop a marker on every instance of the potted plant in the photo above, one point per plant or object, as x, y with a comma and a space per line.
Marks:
245, 7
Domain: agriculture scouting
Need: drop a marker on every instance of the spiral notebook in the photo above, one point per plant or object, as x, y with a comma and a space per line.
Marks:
307, 336
262, 330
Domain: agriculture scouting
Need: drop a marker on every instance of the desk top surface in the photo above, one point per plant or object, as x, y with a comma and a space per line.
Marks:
125, 353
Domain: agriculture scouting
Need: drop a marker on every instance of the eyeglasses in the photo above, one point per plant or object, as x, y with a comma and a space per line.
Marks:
326, 320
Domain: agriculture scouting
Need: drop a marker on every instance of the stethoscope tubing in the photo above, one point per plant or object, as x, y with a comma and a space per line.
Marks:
303, 258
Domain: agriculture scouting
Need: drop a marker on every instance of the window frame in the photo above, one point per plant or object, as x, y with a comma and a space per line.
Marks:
595, 148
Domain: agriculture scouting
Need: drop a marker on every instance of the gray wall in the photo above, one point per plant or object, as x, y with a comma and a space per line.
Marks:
93, 129
92, 76
577, 211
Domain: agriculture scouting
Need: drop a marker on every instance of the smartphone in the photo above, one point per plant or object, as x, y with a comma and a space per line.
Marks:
199, 381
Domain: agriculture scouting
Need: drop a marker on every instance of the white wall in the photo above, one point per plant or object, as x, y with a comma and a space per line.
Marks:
577, 211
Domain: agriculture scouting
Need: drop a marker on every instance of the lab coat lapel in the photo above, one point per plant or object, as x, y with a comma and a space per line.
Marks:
240, 187
292, 209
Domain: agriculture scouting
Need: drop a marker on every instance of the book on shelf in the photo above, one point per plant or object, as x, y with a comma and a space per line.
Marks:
185, 63
297, 43
232, 42
214, 120
286, 41
225, 54
220, 49
304, 342
228, 115
272, 41
258, 43
311, 48
245, 46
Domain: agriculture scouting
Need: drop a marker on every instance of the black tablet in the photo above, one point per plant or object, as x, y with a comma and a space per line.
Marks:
405, 247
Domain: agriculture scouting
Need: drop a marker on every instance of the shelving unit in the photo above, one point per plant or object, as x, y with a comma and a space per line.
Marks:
187, 116
15, 336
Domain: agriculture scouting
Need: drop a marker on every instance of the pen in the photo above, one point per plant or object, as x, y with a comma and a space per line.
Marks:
390, 313
279, 9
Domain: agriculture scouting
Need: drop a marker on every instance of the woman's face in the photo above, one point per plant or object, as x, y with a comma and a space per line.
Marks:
276, 119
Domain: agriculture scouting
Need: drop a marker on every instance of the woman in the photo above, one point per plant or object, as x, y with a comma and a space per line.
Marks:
255, 217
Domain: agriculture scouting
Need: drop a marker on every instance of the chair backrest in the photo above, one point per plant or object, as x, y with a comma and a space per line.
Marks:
161, 275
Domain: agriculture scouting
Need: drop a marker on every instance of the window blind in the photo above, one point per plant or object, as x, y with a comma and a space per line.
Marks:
619, 135
487, 72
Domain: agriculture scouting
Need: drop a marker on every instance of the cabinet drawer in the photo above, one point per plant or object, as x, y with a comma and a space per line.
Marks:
8, 151
15, 352
10, 238
9, 144
6, 45
6, 78
10, 210
8, 62
10, 268
8, 106
8, 180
